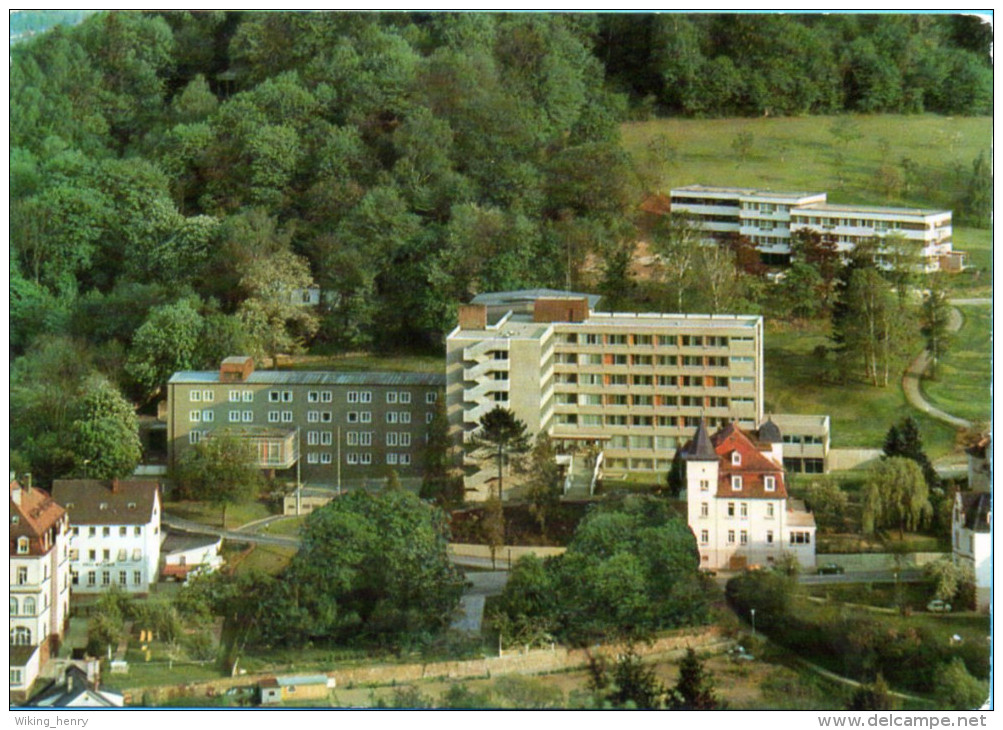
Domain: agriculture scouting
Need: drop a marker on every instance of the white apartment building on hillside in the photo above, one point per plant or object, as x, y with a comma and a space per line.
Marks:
630, 385
768, 218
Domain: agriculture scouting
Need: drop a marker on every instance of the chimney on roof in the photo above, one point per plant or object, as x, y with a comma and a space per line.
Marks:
236, 369
15, 493
473, 317
114, 485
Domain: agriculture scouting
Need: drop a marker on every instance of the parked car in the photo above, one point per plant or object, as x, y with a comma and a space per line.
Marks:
739, 654
938, 606
831, 569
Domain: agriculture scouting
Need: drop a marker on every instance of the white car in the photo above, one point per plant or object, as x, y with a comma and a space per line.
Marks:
938, 606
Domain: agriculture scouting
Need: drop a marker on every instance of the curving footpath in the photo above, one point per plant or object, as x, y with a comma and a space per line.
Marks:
913, 374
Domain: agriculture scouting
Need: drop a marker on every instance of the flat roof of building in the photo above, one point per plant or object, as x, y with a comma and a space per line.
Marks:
748, 192
877, 209
517, 296
786, 421
313, 377
657, 319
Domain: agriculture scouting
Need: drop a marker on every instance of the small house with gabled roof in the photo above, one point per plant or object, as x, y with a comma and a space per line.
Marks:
737, 501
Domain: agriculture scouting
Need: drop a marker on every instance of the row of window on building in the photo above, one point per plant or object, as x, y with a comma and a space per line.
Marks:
664, 401
122, 555
106, 531
661, 381
590, 420
27, 606
686, 361
796, 537
596, 338
245, 395
106, 576
206, 415
743, 508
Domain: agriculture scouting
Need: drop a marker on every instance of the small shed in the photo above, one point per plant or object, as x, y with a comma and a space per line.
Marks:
302, 687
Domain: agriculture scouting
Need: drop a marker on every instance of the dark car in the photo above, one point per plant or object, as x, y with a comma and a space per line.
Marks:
831, 569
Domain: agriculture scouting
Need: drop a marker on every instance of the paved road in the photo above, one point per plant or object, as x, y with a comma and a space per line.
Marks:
913, 374
482, 584
178, 523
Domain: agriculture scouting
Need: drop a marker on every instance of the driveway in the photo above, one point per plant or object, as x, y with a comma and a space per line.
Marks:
481, 584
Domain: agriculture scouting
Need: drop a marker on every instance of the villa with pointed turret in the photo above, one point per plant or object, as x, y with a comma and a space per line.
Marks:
737, 501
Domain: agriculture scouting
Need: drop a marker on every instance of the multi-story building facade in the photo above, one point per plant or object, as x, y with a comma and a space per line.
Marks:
39, 584
806, 442
324, 426
114, 535
768, 219
973, 541
633, 386
737, 501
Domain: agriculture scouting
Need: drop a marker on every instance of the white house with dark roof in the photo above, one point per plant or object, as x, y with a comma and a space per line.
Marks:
737, 501
185, 554
39, 584
972, 544
115, 532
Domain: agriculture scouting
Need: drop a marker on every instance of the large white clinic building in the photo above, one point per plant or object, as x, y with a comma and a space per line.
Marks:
768, 218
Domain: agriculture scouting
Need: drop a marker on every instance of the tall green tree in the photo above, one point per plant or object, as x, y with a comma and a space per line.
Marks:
676, 239
500, 435
439, 480
904, 439
935, 317
371, 569
543, 485
106, 441
167, 342
221, 470
895, 495
695, 688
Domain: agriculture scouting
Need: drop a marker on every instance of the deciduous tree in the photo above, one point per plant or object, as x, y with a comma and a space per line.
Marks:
221, 470
105, 433
896, 495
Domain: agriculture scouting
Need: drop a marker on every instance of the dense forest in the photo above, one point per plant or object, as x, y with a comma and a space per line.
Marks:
738, 64
175, 176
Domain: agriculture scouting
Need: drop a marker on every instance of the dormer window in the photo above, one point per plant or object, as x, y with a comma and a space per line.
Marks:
132, 505
770, 484
736, 458
22, 546
736, 483
69, 505
103, 505
14, 519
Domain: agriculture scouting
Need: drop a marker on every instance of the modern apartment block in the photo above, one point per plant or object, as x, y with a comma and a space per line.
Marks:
39, 584
768, 219
632, 386
115, 533
737, 501
326, 426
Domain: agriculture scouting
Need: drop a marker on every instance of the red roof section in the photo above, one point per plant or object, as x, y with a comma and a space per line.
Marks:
33, 514
754, 466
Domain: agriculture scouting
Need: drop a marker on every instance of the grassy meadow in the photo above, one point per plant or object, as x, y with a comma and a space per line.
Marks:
799, 153
796, 382
805, 153
963, 377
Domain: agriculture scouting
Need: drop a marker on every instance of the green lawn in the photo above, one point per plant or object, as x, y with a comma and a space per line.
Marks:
965, 373
860, 414
978, 279
267, 559
289, 526
206, 514
798, 153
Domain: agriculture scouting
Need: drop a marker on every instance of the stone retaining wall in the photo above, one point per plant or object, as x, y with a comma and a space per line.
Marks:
537, 661
503, 554
854, 562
